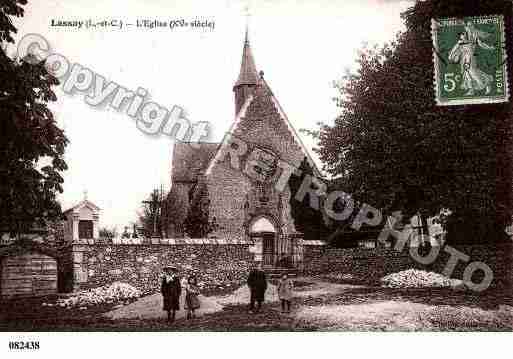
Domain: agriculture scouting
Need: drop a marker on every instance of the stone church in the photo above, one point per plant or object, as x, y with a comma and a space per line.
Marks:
243, 207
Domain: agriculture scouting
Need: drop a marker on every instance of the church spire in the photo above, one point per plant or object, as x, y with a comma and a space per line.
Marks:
248, 75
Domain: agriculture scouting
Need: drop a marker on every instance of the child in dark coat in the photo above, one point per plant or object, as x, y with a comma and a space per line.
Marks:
257, 283
171, 290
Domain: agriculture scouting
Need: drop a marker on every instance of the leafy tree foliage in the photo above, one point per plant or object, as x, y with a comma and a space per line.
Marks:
125, 233
197, 223
393, 148
107, 234
31, 146
174, 213
163, 214
307, 220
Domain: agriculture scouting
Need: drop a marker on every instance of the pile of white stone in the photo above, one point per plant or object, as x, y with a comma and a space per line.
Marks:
113, 293
415, 278
339, 276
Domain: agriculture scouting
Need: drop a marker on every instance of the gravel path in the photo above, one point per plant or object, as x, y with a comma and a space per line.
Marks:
150, 307
318, 305
321, 305
389, 315
404, 316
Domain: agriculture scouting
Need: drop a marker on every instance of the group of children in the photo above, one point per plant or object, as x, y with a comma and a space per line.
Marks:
171, 289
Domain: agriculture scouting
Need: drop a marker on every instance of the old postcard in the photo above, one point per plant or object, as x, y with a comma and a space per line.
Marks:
243, 166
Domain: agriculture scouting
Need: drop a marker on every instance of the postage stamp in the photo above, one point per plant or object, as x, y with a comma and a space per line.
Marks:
470, 60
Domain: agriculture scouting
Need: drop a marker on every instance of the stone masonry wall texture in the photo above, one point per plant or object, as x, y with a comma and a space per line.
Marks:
370, 265
222, 264
261, 128
141, 265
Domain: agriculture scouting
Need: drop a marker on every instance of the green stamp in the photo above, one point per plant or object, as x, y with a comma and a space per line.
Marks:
470, 60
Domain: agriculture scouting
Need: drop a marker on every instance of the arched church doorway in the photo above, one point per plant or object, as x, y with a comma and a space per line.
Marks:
265, 230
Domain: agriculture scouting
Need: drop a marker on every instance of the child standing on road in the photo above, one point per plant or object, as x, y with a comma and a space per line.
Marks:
191, 296
285, 288
171, 289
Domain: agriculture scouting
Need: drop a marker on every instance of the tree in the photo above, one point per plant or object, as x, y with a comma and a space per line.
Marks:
393, 148
151, 217
174, 213
307, 220
134, 231
107, 233
197, 223
125, 233
32, 145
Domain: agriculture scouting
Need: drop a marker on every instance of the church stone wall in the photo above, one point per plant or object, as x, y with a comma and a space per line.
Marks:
263, 127
234, 197
227, 190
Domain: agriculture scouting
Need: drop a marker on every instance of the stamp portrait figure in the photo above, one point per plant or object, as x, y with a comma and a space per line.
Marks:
464, 52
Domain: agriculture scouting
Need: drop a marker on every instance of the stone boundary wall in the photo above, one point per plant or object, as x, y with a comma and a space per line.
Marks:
214, 264
227, 263
168, 241
370, 265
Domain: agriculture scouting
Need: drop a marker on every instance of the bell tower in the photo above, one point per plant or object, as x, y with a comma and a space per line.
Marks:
248, 76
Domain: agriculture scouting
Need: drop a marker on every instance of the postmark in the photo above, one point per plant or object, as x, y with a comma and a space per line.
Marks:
470, 60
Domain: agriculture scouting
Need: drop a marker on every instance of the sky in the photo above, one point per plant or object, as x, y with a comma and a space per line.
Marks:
302, 46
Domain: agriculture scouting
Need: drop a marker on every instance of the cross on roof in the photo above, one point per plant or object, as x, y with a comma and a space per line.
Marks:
247, 13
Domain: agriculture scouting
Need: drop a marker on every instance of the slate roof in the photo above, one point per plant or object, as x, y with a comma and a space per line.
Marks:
248, 74
190, 161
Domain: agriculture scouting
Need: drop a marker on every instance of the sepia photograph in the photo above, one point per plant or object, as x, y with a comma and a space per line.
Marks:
235, 166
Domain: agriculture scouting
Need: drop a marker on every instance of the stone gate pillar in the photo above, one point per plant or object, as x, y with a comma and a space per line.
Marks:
257, 248
296, 245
